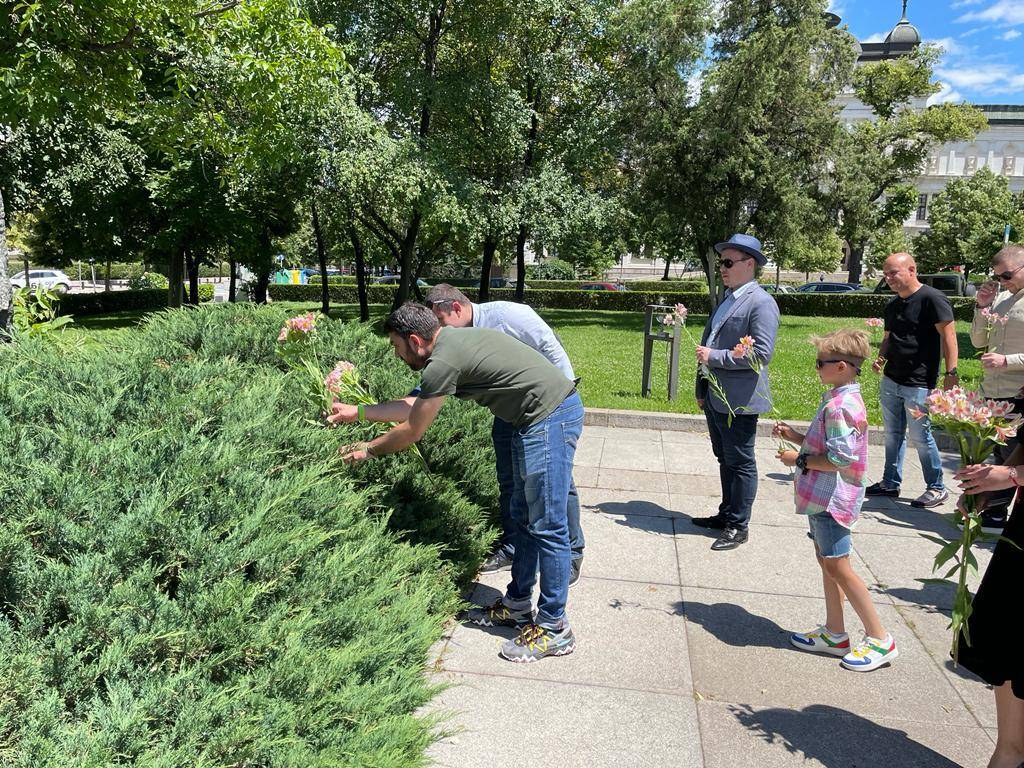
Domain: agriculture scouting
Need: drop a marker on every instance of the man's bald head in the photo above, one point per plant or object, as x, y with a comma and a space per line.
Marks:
900, 272
900, 260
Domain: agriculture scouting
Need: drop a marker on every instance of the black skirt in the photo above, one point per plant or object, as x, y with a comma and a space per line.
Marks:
992, 654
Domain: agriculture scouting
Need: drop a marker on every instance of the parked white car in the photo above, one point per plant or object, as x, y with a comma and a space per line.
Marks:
51, 279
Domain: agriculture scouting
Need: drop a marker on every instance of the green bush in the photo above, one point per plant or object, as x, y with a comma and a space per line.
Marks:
796, 304
190, 577
551, 269
105, 302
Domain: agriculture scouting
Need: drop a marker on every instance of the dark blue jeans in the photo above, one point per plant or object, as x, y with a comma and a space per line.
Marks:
737, 467
543, 456
502, 433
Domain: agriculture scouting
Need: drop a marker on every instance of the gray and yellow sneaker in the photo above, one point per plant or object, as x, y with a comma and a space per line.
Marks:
535, 642
500, 615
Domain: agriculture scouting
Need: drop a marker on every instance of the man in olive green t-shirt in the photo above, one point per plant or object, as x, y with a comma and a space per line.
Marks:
519, 385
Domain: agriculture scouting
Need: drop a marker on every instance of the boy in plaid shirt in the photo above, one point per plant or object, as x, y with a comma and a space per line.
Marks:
829, 489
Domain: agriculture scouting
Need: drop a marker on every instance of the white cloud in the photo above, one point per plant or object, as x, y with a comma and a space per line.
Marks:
964, 3
949, 46
1008, 11
878, 37
1010, 34
982, 78
947, 94
838, 7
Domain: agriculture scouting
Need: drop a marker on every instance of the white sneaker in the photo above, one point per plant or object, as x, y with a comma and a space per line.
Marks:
820, 640
871, 653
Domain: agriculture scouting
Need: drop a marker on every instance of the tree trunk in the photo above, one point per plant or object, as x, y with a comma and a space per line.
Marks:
357, 248
233, 268
106, 277
176, 279
709, 259
777, 275
405, 256
668, 265
321, 256
192, 264
521, 262
856, 262
490, 247
5, 277
263, 275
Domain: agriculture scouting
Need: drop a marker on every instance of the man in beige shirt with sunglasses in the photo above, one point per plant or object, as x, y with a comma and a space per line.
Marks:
998, 328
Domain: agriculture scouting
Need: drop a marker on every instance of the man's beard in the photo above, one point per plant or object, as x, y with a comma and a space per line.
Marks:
419, 361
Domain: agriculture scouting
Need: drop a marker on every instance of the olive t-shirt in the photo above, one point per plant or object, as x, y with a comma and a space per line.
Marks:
915, 347
515, 382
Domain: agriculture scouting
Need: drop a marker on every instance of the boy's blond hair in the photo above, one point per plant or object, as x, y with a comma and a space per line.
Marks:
846, 342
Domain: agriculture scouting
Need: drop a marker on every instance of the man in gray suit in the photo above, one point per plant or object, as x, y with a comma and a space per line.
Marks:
747, 310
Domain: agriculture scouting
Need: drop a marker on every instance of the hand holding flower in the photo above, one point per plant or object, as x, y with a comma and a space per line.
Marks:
356, 453
788, 457
786, 432
342, 413
981, 478
703, 355
992, 360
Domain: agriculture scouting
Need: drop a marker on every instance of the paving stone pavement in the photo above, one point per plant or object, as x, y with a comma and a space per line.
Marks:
683, 657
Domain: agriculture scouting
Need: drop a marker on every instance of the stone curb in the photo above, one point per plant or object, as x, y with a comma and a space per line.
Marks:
688, 422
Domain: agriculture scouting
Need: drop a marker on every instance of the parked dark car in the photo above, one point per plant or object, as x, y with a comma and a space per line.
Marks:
396, 279
603, 287
949, 283
823, 287
504, 282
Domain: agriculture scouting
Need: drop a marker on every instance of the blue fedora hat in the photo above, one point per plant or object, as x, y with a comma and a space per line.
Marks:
746, 243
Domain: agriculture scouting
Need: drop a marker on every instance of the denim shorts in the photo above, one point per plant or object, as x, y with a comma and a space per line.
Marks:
831, 538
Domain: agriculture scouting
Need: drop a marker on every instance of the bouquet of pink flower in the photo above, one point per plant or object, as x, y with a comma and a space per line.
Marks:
296, 339
343, 383
977, 425
678, 317
745, 349
875, 324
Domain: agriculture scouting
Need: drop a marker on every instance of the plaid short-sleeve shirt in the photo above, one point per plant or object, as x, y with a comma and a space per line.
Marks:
840, 432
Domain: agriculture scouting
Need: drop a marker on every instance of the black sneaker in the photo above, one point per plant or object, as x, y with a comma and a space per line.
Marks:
535, 642
575, 569
993, 520
877, 489
499, 561
499, 615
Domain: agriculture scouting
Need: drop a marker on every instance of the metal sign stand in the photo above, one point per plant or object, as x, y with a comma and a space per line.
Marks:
655, 331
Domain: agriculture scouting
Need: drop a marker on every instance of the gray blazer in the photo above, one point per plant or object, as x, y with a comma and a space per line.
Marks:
756, 314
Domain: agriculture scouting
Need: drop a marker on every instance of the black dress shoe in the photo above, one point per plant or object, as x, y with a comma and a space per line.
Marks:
730, 539
716, 522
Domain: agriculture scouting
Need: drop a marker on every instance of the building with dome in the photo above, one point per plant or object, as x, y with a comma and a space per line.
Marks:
999, 147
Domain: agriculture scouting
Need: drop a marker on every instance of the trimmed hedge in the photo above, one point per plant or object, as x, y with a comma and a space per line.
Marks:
105, 302
127, 270
189, 576
795, 304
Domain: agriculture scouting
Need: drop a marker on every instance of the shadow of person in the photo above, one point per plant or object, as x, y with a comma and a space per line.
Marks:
934, 598
836, 738
736, 626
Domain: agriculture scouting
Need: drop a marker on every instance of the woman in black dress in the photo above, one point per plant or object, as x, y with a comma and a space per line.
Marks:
992, 654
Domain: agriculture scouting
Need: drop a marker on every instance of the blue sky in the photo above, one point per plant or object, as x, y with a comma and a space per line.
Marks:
983, 42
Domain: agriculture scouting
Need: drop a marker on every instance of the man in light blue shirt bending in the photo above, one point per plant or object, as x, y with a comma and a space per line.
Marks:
454, 309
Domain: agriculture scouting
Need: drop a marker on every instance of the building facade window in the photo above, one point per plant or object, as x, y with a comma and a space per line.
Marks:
922, 208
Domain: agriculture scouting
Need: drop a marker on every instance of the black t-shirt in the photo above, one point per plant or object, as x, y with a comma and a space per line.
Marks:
915, 347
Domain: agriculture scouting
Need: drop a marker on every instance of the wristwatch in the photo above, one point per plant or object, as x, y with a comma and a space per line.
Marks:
952, 372
801, 462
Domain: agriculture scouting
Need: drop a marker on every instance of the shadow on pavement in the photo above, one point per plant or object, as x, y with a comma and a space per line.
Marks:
484, 595
736, 626
836, 738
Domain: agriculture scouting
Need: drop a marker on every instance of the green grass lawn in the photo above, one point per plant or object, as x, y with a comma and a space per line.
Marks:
607, 352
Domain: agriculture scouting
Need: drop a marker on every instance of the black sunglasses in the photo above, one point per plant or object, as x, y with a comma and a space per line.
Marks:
730, 263
1007, 275
819, 364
